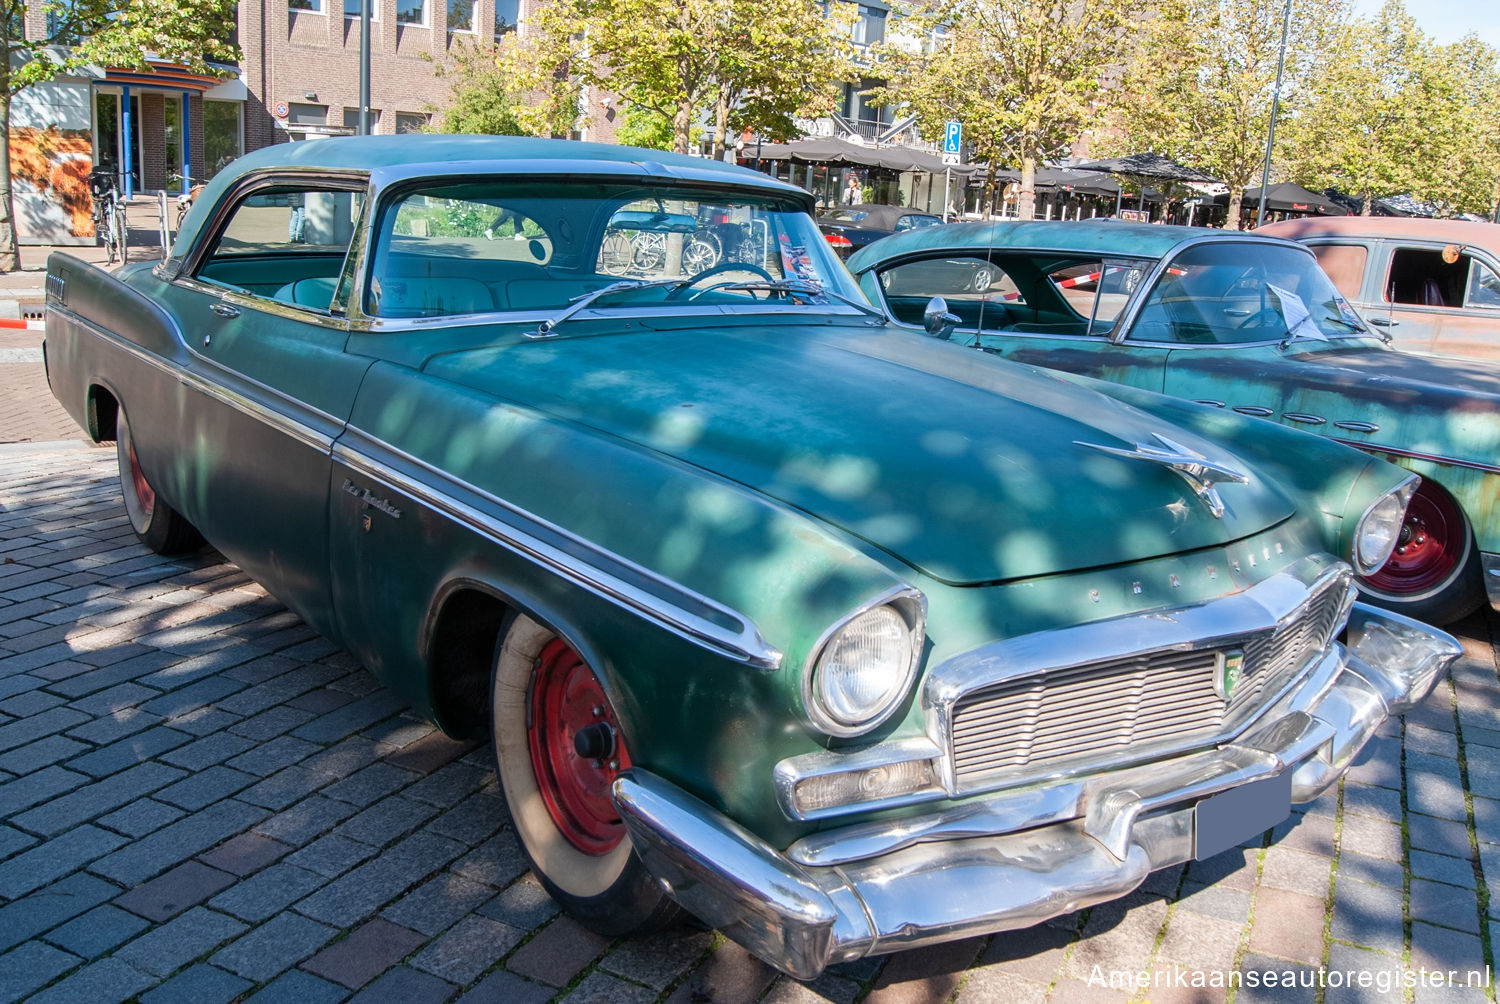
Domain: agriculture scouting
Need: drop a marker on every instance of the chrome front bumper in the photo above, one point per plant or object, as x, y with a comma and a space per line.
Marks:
1491, 565
968, 870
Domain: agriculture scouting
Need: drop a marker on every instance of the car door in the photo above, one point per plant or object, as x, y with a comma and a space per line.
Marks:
276, 386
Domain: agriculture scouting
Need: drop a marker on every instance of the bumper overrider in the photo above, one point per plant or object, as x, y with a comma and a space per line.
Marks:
1014, 857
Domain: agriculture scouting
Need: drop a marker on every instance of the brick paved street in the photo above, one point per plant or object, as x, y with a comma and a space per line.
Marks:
201, 800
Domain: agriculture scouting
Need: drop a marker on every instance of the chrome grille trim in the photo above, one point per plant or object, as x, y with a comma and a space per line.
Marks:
1115, 692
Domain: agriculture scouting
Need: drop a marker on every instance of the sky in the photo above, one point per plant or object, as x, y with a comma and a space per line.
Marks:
1447, 20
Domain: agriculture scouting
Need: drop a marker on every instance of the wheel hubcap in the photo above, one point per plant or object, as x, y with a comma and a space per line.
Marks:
576, 749
1429, 549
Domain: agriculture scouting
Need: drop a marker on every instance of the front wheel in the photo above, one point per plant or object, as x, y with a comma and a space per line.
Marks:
559, 747
160, 527
1434, 574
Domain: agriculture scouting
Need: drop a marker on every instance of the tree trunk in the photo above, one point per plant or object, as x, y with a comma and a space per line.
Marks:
682, 128
1026, 198
1236, 198
988, 199
721, 127
10, 252
1367, 205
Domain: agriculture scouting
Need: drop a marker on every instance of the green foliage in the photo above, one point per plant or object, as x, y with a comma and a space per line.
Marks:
749, 63
1021, 75
1392, 112
645, 128
1199, 86
481, 98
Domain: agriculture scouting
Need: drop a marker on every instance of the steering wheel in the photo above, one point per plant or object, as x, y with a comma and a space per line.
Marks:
719, 269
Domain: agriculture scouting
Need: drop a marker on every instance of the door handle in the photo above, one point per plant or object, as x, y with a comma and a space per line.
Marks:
1236, 312
224, 310
1384, 322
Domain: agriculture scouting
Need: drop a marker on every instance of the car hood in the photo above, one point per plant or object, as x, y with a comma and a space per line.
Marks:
964, 466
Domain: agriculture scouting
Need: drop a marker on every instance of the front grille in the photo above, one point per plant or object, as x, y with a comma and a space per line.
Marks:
1154, 697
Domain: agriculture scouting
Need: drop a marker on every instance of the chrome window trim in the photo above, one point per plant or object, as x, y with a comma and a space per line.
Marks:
916, 615
377, 325
680, 610
264, 304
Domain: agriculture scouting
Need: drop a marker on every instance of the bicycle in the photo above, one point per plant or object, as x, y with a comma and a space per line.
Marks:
109, 214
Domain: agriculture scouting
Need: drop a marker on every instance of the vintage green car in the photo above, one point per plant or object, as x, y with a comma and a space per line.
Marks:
841, 639
1238, 322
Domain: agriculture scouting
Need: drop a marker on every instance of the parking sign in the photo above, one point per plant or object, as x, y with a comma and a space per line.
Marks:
953, 137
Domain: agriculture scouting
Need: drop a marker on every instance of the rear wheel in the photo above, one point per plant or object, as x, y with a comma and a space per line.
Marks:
160, 527
1434, 574
559, 747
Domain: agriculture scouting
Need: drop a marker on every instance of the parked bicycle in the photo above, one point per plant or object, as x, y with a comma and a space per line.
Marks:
185, 200
646, 252
109, 214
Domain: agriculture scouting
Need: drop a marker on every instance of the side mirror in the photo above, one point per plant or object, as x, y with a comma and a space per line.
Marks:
936, 319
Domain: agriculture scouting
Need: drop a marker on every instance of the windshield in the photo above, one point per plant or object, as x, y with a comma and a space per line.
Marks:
507, 244
1227, 292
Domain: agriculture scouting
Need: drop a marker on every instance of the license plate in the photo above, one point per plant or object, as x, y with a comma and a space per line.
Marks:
1226, 819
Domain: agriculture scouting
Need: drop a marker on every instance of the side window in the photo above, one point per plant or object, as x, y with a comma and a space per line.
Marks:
1426, 277
913, 220
1095, 290
978, 290
1484, 287
285, 243
1345, 265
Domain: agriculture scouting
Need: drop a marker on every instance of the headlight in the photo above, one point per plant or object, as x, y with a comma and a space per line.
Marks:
862, 668
1380, 527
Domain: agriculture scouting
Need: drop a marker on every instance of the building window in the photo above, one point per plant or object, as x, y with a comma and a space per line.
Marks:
460, 15
316, 6
298, 114
353, 7
870, 28
413, 12
351, 120
507, 13
222, 133
410, 121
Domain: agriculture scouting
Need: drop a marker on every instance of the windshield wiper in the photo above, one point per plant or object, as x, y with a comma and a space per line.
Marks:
549, 326
809, 287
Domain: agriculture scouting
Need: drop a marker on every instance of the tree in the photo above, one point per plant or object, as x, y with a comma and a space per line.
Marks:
1198, 86
120, 33
1021, 75
749, 63
480, 101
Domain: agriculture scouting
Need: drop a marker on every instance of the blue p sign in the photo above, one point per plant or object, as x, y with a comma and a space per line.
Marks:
953, 135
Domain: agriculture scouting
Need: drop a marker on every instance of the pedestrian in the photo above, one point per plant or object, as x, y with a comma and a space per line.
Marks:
852, 194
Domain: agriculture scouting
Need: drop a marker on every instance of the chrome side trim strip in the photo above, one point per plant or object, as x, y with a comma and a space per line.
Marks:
1414, 455
294, 429
685, 613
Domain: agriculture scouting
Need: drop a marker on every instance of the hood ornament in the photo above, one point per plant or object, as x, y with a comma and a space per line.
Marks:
1192, 466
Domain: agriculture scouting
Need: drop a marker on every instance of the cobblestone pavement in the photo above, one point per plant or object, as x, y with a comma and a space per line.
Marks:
201, 800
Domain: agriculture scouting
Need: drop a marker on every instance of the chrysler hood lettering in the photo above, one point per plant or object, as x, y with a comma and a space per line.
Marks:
1193, 467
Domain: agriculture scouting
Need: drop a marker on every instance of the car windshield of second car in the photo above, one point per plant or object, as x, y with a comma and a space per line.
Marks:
497, 245
1225, 293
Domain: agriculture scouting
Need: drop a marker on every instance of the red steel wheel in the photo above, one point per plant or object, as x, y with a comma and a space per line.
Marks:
145, 496
1434, 574
576, 749
1434, 540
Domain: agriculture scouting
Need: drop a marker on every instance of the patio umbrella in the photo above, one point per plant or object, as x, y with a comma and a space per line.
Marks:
829, 150
1287, 197
1139, 167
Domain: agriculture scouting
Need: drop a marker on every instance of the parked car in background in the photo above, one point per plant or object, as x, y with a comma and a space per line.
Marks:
1432, 285
772, 609
1242, 323
849, 228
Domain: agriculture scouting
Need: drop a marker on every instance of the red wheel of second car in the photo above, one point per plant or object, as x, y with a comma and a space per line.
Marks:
1434, 541
567, 702
145, 496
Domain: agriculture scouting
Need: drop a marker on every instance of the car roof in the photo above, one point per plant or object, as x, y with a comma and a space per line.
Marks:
1097, 236
1412, 228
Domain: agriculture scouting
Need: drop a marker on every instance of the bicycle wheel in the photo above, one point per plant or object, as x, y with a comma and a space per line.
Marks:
702, 252
616, 253
122, 240
650, 254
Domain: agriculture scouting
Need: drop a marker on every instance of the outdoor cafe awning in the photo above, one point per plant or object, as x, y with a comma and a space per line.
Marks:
1287, 197
837, 151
